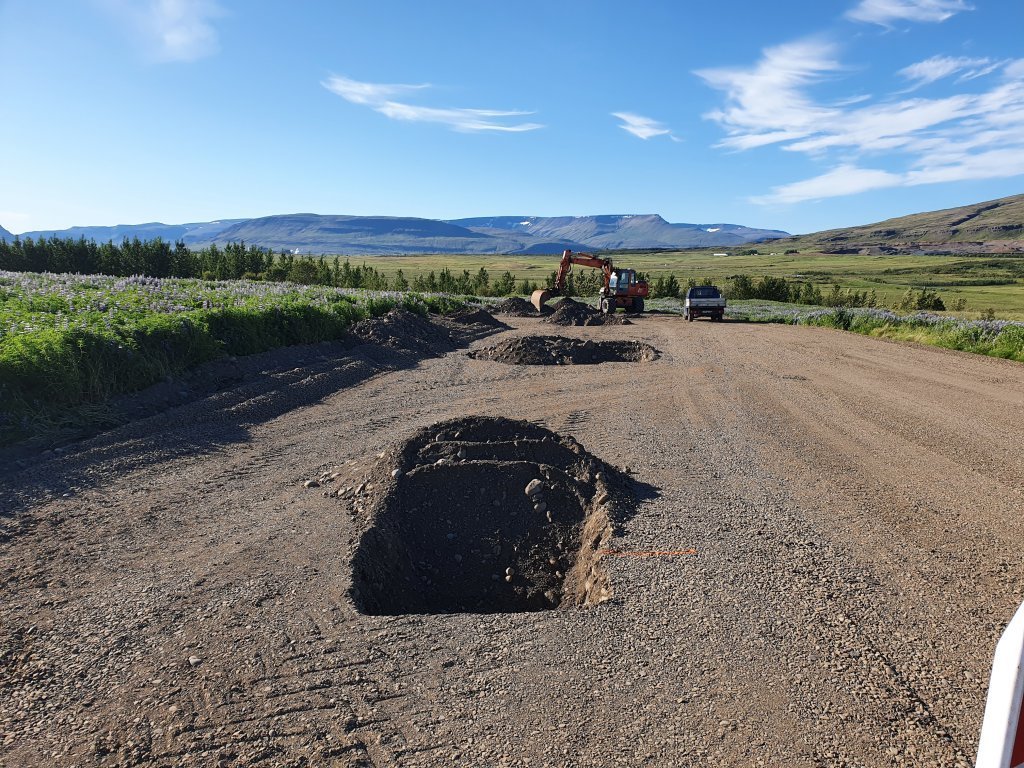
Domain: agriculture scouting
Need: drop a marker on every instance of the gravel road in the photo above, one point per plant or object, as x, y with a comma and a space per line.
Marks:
176, 591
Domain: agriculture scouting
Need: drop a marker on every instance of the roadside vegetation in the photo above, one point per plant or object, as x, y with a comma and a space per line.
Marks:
983, 335
66, 340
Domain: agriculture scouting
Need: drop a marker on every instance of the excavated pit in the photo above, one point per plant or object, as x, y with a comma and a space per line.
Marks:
452, 528
559, 350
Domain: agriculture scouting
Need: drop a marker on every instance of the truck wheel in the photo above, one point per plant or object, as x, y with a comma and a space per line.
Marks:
689, 317
638, 305
604, 305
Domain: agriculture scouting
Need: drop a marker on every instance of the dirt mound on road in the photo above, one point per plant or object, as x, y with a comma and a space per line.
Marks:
569, 312
472, 316
485, 515
558, 350
516, 307
402, 329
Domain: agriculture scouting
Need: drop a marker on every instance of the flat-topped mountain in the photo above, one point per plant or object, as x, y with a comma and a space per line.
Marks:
622, 231
319, 234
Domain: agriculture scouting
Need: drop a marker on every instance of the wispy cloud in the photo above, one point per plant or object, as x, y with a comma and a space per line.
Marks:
963, 136
174, 30
939, 67
885, 12
381, 98
643, 127
766, 103
842, 180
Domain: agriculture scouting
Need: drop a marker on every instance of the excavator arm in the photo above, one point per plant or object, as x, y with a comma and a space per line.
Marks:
564, 268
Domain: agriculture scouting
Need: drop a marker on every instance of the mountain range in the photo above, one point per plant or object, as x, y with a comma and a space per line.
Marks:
383, 235
986, 227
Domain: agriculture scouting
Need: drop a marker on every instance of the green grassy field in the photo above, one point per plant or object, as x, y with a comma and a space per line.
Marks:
986, 281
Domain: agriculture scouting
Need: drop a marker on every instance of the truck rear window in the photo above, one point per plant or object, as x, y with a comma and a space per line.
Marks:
705, 292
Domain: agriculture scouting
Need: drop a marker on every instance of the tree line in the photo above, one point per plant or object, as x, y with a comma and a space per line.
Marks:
234, 261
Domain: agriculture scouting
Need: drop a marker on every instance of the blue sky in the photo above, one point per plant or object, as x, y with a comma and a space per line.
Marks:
786, 115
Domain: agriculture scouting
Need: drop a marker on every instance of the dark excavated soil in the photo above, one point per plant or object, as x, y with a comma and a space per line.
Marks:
569, 312
471, 316
484, 515
404, 330
559, 350
516, 307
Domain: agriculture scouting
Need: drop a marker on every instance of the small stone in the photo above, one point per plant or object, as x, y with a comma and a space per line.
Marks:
510, 571
311, 484
552, 562
462, 453
540, 506
534, 487
193, 661
508, 579
397, 473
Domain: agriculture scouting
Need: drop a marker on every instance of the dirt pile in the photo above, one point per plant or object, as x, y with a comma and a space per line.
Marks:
516, 307
569, 312
558, 350
471, 316
405, 330
485, 515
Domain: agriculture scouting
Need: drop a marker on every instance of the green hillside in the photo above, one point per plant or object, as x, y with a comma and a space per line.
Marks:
989, 222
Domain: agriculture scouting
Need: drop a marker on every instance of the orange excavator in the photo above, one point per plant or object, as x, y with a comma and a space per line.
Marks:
620, 289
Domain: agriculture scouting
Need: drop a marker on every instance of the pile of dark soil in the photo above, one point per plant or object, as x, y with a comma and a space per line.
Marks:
405, 330
558, 350
516, 307
486, 515
470, 316
569, 312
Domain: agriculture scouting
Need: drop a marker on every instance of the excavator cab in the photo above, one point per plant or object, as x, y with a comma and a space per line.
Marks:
620, 280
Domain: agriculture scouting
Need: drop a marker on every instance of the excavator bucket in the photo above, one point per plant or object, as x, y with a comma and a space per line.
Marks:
538, 298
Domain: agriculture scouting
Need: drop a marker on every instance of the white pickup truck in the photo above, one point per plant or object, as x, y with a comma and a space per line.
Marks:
704, 301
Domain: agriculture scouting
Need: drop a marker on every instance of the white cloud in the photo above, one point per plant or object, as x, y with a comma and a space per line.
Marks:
765, 104
969, 135
843, 180
367, 93
938, 67
174, 30
380, 98
642, 127
884, 12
